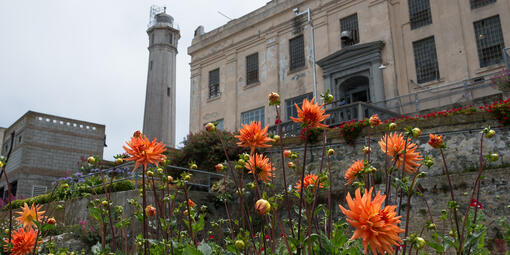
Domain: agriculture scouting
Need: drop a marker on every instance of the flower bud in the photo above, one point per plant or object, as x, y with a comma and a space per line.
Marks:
331, 152
137, 134
431, 226
419, 243
51, 221
287, 153
160, 170
493, 157
490, 133
219, 167
329, 98
416, 132
170, 179
262, 207
193, 166
276, 138
274, 98
1, 164
374, 121
150, 211
366, 150
210, 127
392, 126
150, 173
91, 160
119, 161
104, 203
291, 164
65, 185
239, 244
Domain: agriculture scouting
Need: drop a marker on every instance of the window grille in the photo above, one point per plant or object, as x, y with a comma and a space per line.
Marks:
38, 190
350, 23
489, 41
291, 108
253, 115
214, 83
297, 52
425, 57
419, 13
480, 3
252, 68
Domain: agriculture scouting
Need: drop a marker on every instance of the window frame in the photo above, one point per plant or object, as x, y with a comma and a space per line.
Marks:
495, 30
300, 62
420, 13
252, 68
421, 60
262, 114
214, 86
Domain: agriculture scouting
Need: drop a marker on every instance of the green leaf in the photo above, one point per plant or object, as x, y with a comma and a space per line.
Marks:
191, 251
95, 213
204, 248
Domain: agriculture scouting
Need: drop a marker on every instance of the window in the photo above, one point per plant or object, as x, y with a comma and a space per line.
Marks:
150, 65
480, 3
168, 91
419, 13
425, 58
170, 37
489, 41
350, 24
291, 108
38, 190
297, 52
253, 115
214, 83
252, 68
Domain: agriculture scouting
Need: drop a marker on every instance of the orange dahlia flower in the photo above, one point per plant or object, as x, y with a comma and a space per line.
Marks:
144, 152
309, 180
22, 241
263, 169
311, 114
352, 172
375, 226
253, 136
395, 149
436, 141
191, 203
30, 214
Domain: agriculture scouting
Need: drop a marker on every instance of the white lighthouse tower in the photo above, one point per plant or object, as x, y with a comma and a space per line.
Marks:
159, 117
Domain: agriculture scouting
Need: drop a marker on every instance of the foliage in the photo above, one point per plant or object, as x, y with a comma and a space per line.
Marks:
205, 149
500, 110
313, 135
351, 130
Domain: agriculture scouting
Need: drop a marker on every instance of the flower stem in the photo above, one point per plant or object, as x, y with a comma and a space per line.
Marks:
301, 194
144, 218
453, 198
189, 214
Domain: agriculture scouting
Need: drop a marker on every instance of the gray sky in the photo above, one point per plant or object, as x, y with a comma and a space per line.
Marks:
87, 59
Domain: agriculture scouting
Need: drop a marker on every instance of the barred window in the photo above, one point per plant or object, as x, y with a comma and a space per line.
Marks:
480, 3
419, 13
425, 58
291, 108
350, 23
489, 41
214, 83
252, 68
253, 115
297, 52
170, 37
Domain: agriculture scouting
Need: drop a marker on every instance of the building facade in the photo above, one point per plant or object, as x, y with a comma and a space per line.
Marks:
159, 117
43, 148
386, 56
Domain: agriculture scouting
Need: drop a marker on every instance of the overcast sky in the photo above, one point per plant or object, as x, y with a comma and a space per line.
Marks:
87, 59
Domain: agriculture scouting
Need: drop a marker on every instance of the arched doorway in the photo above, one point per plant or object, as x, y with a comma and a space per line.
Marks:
354, 89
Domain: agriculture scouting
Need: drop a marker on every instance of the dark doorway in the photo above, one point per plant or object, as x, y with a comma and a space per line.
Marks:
355, 89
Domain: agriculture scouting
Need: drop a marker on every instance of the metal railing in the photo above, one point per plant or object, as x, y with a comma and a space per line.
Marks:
338, 114
442, 95
201, 179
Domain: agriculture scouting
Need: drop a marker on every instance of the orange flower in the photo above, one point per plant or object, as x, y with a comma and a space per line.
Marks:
311, 114
22, 241
377, 228
263, 169
191, 203
310, 179
30, 214
150, 210
374, 121
436, 141
144, 152
356, 167
395, 146
253, 136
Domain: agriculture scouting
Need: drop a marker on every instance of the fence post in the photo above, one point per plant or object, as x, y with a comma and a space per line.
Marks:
417, 102
467, 92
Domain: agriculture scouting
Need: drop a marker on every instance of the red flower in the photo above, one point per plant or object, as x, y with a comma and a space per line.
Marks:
476, 204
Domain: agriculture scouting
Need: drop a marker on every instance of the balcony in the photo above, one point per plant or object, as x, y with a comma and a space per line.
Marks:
338, 114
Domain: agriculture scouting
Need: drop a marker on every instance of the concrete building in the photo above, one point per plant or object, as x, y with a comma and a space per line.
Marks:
159, 117
45, 147
389, 57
